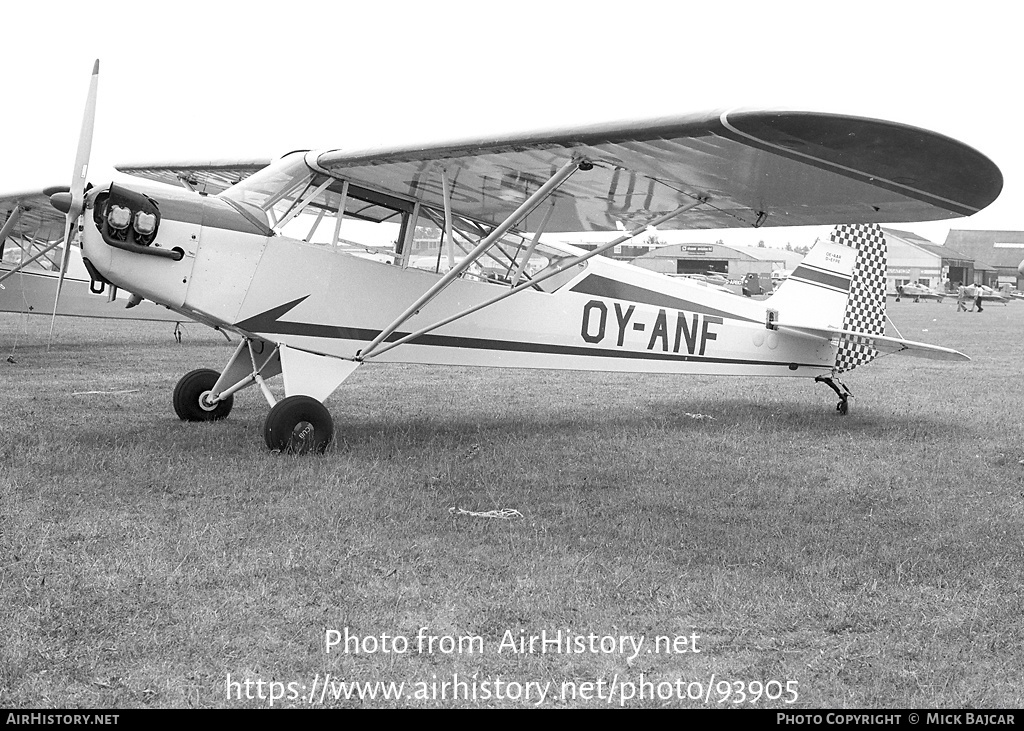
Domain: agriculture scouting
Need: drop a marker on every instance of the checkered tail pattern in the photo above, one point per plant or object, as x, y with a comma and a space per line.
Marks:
865, 309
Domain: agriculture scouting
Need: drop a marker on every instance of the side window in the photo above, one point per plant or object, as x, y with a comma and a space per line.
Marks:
511, 261
332, 213
302, 204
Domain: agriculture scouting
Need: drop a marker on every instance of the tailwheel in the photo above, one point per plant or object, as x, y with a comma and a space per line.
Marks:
298, 425
844, 394
191, 393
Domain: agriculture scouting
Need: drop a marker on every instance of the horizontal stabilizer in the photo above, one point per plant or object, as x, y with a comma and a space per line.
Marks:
881, 343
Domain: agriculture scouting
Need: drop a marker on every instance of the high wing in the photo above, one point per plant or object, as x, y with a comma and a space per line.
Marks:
27, 217
209, 176
757, 167
883, 344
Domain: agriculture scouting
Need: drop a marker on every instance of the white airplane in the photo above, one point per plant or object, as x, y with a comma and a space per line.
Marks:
917, 291
266, 259
31, 288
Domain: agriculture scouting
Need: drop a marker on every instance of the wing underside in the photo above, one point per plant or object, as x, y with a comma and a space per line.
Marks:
210, 177
758, 168
755, 168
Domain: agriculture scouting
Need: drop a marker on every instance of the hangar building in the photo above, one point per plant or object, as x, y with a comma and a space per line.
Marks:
1000, 253
916, 259
732, 261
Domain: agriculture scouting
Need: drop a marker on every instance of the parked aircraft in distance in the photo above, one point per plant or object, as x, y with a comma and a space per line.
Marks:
917, 292
987, 294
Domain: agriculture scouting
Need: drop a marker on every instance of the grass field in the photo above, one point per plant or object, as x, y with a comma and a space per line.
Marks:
874, 560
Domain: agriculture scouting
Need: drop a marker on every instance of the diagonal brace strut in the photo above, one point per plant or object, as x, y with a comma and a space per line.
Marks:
479, 250
546, 274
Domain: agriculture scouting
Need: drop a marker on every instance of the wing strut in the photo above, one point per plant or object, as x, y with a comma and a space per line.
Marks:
479, 250
25, 263
9, 224
533, 245
552, 271
446, 190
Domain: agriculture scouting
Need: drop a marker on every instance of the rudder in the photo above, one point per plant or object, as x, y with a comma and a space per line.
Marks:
865, 308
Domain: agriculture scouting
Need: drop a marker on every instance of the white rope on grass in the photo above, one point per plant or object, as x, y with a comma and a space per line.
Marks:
105, 393
502, 514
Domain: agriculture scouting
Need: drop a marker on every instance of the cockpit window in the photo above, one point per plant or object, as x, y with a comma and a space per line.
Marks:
294, 201
514, 258
302, 204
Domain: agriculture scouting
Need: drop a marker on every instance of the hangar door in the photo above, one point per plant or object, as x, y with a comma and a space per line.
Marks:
702, 266
960, 274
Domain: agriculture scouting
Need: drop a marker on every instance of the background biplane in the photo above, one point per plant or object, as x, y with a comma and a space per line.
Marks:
272, 257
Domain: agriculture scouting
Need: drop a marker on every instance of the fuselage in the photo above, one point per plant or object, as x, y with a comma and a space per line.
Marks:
217, 260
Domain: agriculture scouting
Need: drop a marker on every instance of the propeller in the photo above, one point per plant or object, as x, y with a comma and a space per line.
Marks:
73, 203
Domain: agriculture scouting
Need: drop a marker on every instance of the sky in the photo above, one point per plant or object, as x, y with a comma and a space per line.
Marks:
200, 81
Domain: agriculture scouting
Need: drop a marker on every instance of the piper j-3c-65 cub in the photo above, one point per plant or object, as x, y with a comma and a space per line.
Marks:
286, 258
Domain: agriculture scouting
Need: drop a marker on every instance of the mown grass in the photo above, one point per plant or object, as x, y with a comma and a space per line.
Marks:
875, 559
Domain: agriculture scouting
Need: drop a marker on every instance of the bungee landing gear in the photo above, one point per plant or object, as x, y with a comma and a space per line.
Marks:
844, 393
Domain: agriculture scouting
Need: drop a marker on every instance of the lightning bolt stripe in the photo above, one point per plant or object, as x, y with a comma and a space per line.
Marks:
269, 322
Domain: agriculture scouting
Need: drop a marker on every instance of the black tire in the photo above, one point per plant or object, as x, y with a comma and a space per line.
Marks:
188, 394
298, 425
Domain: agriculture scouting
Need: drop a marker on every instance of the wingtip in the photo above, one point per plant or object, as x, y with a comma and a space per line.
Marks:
95, 67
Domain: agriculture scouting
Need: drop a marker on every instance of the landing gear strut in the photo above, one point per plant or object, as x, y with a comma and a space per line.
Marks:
297, 424
844, 394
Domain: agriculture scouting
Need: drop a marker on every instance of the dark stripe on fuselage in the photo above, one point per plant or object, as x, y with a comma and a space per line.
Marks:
269, 323
600, 286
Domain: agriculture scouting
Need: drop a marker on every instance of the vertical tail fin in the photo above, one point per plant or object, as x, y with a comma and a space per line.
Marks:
834, 287
865, 308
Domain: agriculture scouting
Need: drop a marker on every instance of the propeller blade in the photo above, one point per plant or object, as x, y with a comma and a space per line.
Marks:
78, 180
63, 270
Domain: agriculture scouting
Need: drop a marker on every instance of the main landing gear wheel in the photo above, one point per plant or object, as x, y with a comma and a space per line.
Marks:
190, 397
298, 425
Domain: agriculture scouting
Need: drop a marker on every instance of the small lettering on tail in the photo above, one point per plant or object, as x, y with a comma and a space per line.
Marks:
865, 309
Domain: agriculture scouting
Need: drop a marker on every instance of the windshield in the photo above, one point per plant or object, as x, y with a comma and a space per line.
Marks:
266, 192
296, 202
